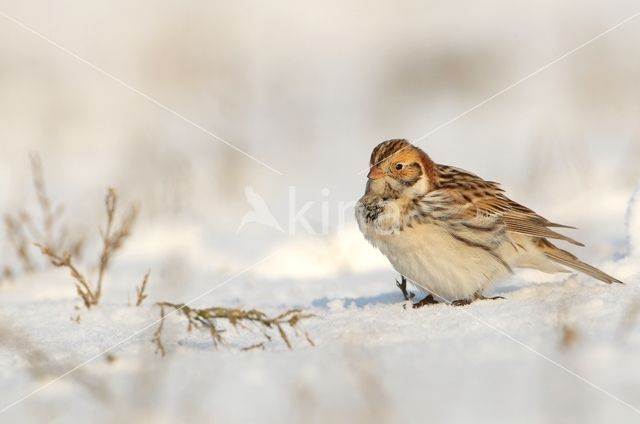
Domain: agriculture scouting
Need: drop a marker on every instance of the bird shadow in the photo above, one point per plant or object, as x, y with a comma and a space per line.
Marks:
396, 297
389, 298
504, 290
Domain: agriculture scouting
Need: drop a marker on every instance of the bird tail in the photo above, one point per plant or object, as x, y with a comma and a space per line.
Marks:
568, 259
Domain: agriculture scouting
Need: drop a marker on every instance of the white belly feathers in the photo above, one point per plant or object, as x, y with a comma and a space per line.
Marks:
432, 258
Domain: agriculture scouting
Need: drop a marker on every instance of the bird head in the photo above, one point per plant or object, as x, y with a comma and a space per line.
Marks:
399, 168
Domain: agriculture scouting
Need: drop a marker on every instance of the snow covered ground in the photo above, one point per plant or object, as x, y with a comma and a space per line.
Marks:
309, 91
559, 349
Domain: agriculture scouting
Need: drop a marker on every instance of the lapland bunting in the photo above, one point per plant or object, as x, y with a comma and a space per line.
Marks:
451, 232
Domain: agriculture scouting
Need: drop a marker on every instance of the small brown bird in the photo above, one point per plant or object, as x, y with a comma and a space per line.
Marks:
451, 232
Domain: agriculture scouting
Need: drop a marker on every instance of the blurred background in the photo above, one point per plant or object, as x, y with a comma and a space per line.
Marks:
309, 89
127, 94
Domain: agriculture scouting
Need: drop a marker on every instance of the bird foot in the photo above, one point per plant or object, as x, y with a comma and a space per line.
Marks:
481, 297
477, 296
428, 300
402, 285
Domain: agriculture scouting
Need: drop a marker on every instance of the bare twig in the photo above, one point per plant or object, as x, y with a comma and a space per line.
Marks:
208, 319
140, 291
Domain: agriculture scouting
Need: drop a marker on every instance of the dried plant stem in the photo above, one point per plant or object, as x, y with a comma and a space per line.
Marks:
157, 335
83, 286
112, 241
49, 215
19, 242
22, 230
209, 318
140, 291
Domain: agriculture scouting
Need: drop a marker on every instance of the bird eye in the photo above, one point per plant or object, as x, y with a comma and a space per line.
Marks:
399, 166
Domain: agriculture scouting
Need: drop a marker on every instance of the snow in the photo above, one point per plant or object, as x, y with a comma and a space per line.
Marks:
310, 92
633, 224
374, 360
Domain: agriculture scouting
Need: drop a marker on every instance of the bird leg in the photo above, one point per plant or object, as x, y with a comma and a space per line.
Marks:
428, 300
402, 285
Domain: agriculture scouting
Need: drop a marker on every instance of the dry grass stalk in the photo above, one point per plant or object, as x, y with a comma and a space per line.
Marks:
50, 215
141, 291
112, 240
209, 318
22, 230
83, 286
157, 335
51, 232
19, 242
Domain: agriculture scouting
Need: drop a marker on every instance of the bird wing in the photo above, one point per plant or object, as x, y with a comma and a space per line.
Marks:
474, 197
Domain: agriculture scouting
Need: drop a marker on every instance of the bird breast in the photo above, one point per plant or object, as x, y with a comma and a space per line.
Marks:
441, 256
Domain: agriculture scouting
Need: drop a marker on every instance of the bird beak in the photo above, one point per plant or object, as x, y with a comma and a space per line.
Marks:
375, 173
